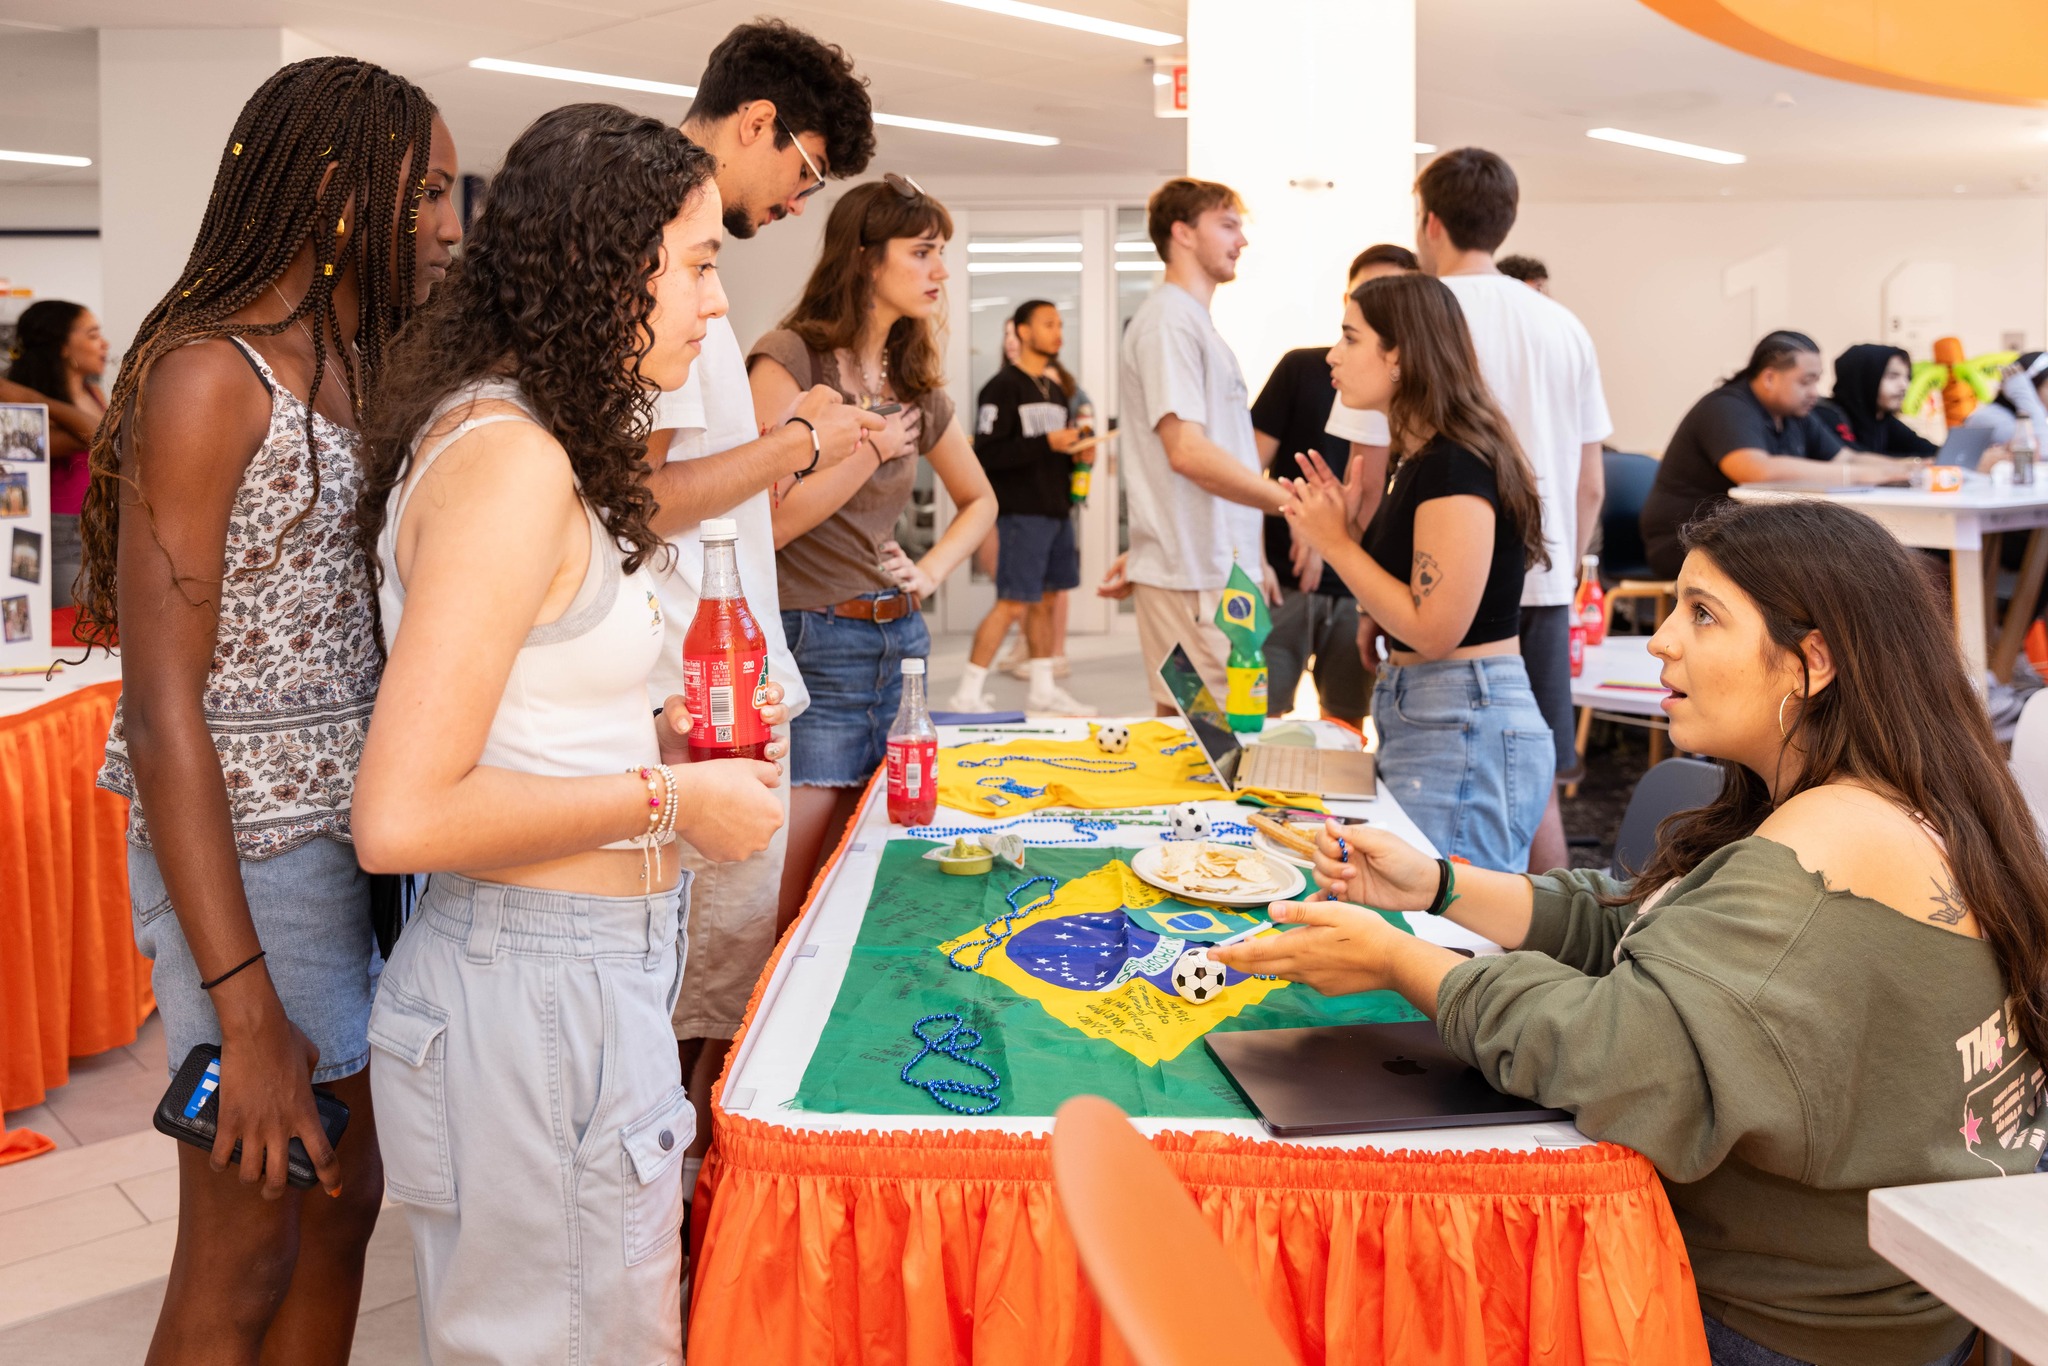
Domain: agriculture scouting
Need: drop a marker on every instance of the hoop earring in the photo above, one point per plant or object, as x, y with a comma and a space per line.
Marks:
1395, 374
1789, 695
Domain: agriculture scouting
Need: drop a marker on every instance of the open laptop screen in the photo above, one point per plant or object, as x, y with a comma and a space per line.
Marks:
1211, 728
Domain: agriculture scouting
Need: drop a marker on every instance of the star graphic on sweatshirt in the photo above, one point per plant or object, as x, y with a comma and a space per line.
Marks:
1969, 1129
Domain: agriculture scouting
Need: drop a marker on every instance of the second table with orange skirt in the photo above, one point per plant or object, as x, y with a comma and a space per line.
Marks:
925, 1237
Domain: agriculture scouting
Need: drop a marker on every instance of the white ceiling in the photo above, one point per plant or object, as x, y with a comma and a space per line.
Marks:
1526, 79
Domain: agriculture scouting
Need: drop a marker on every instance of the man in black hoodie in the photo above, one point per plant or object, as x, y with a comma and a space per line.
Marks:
1025, 435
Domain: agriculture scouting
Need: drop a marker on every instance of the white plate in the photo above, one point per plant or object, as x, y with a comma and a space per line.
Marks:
1265, 845
1146, 866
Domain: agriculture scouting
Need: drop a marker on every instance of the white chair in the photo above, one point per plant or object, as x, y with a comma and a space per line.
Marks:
2030, 756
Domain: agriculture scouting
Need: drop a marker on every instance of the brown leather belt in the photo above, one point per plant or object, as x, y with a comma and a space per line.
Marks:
893, 607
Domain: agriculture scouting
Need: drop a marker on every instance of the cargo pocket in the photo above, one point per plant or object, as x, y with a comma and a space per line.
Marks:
410, 1087
653, 1178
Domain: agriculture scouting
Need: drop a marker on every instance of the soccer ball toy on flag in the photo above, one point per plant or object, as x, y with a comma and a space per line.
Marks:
1241, 616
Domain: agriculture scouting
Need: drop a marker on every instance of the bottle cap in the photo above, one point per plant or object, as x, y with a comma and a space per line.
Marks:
913, 667
718, 529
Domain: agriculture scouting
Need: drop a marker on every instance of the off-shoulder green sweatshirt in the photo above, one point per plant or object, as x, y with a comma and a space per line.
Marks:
1777, 1049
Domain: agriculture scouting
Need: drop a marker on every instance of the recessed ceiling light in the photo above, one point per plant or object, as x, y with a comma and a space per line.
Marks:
1024, 267
1086, 23
1154, 264
1022, 248
1423, 149
45, 159
1666, 145
1134, 246
571, 74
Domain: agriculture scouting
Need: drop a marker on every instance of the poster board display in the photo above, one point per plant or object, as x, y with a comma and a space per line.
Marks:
25, 560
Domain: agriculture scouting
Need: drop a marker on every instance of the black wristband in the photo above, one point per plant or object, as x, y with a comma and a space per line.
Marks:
1438, 905
817, 451
209, 986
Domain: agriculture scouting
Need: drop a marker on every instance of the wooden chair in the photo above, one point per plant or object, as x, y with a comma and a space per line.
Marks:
1664, 593
1159, 1270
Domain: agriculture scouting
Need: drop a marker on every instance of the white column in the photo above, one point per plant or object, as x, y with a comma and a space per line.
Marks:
168, 99
1307, 109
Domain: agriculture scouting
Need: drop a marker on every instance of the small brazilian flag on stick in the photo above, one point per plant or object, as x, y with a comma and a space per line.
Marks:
1241, 616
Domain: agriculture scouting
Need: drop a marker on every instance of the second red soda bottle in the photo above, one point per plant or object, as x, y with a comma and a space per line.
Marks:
725, 657
913, 755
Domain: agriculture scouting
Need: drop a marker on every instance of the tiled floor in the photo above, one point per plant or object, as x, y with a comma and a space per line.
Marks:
86, 1232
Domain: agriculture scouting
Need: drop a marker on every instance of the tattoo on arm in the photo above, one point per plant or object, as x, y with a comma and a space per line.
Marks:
1427, 575
1949, 902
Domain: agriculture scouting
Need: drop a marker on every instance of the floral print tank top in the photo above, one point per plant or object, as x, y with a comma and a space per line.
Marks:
295, 659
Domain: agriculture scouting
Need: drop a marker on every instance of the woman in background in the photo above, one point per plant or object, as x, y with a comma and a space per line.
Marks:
850, 595
59, 355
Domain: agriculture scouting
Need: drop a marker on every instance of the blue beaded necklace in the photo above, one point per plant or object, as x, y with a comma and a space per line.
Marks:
955, 1043
1000, 929
1073, 764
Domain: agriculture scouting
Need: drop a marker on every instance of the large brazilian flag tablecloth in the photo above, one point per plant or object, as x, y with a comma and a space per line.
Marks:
1071, 999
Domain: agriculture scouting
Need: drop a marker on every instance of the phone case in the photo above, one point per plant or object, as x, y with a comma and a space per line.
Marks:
190, 1113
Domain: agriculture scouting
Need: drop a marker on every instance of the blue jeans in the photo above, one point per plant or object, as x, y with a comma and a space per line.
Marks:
1464, 749
854, 670
1729, 1348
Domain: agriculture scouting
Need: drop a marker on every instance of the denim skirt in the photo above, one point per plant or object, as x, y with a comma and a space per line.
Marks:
1465, 750
854, 670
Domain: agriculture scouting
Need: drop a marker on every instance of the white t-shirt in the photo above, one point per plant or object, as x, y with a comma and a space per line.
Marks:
1175, 361
1539, 362
713, 412
1363, 425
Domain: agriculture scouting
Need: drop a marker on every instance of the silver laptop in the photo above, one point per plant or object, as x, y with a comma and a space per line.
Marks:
1341, 773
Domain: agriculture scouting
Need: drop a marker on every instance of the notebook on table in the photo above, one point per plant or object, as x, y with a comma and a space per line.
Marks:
1342, 773
1362, 1079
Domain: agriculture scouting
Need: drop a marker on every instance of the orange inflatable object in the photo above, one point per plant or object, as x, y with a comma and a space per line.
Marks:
1958, 399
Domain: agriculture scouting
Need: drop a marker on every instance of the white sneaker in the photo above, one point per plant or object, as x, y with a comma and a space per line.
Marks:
1015, 658
1018, 664
1058, 702
977, 703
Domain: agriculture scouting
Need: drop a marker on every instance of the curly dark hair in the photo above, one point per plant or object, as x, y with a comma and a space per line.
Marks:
551, 292
267, 203
40, 336
810, 82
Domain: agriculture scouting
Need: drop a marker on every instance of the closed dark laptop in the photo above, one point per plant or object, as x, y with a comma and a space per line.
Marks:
1362, 1079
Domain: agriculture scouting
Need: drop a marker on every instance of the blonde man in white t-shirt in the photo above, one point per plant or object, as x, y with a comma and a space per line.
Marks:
1539, 361
780, 111
1198, 496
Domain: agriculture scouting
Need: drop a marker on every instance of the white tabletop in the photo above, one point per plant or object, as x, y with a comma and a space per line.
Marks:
763, 1080
21, 693
1623, 660
1982, 1246
1917, 517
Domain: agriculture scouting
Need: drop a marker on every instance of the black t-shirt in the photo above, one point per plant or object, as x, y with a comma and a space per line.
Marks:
1293, 408
1689, 479
1444, 469
1015, 412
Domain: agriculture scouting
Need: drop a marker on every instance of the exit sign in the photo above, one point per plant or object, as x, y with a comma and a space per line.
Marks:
1169, 89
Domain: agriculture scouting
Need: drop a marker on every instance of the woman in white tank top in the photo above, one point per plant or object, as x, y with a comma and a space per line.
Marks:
525, 1080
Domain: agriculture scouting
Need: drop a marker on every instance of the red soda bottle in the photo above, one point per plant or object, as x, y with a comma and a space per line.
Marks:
913, 755
1578, 649
1589, 608
725, 657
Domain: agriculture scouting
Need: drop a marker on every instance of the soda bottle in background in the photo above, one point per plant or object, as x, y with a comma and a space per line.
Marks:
725, 657
2022, 449
1083, 476
1578, 649
913, 755
1589, 608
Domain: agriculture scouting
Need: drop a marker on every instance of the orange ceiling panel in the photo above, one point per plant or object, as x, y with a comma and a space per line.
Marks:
1992, 50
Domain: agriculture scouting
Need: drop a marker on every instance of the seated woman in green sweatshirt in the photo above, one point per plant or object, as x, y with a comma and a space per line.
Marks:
1832, 978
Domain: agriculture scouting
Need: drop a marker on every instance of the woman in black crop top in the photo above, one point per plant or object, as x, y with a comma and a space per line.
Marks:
1463, 746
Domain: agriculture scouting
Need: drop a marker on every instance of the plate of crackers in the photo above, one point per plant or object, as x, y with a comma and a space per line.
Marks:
1222, 874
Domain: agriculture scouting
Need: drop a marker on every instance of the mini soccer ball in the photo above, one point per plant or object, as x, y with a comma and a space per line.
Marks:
1197, 978
1189, 823
1113, 739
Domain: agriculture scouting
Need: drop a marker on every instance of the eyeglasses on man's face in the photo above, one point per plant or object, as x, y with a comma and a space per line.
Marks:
810, 167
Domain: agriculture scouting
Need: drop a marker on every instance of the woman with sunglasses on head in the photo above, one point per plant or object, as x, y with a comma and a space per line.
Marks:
218, 548
850, 595
1463, 745
528, 1091
1833, 977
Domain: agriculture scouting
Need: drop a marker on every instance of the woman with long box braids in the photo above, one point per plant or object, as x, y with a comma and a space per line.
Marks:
219, 543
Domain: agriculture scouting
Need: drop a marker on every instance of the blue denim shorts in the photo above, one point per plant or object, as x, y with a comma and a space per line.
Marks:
854, 670
1465, 750
311, 908
1035, 556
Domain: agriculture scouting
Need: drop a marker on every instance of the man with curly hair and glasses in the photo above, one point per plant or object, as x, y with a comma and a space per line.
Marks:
780, 112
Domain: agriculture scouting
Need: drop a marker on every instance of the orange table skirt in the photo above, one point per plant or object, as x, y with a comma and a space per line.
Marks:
71, 981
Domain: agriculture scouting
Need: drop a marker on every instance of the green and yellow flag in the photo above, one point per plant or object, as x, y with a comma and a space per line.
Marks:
1241, 616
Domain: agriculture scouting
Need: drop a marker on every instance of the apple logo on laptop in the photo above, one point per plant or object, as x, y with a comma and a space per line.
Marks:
1404, 1067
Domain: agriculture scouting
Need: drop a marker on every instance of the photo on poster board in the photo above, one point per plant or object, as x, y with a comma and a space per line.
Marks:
24, 433
14, 619
13, 493
25, 556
